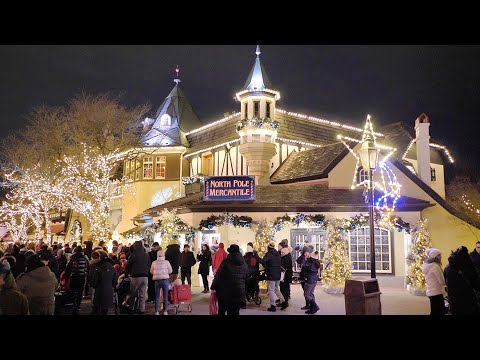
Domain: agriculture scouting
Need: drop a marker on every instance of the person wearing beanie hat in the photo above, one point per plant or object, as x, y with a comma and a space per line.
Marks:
161, 270
435, 281
272, 263
229, 282
38, 283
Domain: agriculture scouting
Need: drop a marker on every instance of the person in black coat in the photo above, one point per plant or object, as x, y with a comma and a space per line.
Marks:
172, 255
310, 268
19, 263
253, 270
229, 282
138, 267
77, 269
187, 260
205, 258
103, 281
272, 263
461, 279
287, 268
475, 256
52, 260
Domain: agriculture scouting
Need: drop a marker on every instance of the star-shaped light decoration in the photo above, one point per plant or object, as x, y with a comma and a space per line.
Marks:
389, 185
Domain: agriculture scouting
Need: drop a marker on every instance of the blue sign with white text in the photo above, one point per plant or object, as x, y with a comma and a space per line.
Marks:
222, 188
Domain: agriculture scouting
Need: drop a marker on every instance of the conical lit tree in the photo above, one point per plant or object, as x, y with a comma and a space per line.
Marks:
337, 266
169, 228
416, 257
263, 236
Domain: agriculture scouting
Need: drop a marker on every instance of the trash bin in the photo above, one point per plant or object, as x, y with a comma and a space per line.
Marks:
362, 297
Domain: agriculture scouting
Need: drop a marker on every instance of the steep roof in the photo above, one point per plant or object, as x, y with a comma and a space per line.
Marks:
183, 119
399, 135
257, 79
291, 127
309, 164
285, 198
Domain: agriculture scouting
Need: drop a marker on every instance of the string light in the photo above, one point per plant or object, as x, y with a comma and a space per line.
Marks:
212, 147
213, 123
243, 92
416, 256
469, 205
300, 142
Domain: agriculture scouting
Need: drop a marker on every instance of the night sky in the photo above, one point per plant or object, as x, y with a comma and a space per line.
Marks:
340, 83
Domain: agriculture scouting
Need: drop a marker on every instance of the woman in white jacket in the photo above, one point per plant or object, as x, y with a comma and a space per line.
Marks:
432, 268
161, 269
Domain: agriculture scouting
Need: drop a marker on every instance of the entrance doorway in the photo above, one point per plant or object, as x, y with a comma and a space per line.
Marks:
314, 237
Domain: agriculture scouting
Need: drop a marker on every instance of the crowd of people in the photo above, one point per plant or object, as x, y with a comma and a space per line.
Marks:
458, 282
30, 275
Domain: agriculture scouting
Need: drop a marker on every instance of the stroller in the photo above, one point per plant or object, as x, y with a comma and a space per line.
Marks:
64, 297
252, 289
121, 291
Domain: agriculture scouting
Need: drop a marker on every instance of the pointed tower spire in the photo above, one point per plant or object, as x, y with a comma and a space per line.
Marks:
257, 80
177, 74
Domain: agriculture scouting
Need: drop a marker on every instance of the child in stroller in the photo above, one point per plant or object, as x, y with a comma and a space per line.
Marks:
252, 289
122, 289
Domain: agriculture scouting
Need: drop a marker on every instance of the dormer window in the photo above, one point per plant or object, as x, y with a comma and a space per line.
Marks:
165, 120
433, 176
362, 175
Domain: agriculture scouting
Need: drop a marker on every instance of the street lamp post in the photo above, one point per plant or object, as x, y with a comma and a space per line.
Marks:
368, 154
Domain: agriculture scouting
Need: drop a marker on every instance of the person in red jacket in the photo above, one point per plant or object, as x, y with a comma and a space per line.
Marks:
218, 257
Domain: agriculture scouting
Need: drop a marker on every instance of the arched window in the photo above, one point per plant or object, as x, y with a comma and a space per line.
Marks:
362, 175
359, 250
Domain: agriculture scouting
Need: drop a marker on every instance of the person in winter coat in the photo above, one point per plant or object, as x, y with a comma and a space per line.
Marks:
138, 266
432, 269
187, 260
218, 257
229, 282
77, 269
62, 261
103, 281
19, 263
92, 267
12, 301
475, 256
151, 285
205, 257
52, 261
272, 263
462, 280
310, 268
172, 255
253, 269
287, 268
38, 283
161, 270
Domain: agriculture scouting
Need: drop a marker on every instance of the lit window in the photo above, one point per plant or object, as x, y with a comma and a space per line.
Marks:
256, 109
359, 250
362, 175
132, 167
165, 120
148, 167
137, 170
160, 166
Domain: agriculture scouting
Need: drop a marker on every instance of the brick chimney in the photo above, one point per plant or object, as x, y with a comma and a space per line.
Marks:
422, 123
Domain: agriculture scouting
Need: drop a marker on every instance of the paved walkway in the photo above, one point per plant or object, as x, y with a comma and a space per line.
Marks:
395, 301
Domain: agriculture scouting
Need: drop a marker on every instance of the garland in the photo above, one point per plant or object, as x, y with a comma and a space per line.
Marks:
225, 219
257, 123
194, 179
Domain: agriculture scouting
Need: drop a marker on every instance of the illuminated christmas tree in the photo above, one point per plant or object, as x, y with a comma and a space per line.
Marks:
169, 228
262, 237
416, 257
336, 268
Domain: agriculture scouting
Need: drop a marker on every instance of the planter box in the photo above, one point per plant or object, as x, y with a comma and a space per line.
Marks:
193, 188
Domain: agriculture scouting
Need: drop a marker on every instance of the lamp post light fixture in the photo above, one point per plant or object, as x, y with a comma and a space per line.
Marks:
368, 154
